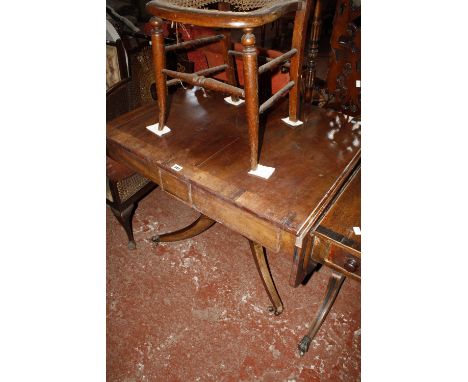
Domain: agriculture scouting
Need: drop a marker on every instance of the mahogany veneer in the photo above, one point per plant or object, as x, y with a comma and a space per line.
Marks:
336, 243
208, 141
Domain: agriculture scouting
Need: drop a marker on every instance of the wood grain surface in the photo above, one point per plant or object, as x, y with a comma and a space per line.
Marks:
209, 141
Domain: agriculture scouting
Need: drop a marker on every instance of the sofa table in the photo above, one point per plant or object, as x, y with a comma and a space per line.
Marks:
203, 161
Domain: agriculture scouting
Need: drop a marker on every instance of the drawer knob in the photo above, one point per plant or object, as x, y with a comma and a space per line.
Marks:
351, 265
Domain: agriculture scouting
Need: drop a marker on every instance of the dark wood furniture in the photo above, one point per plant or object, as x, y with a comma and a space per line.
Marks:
125, 187
204, 166
337, 244
344, 74
116, 66
312, 51
342, 88
246, 15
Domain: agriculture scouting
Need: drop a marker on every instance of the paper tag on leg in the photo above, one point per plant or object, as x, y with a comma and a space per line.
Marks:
262, 171
232, 102
159, 133
291, 123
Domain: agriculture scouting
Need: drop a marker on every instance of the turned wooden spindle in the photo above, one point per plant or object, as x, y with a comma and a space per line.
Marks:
251, 92
312, 53
300, 25
159, 61
228, 59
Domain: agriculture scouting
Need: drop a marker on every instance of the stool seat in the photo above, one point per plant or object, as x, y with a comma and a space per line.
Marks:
245, 13
241, 5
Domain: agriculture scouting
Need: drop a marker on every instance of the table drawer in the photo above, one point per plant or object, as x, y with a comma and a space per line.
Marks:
341, 258
175, 186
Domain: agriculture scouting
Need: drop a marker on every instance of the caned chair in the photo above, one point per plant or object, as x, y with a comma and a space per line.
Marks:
231, 14
125, 187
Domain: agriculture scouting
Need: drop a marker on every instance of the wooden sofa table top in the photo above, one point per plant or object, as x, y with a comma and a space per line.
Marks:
337, 239
209, 140
344, 217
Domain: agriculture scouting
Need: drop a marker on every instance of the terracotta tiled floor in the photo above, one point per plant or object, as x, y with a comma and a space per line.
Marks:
196, 310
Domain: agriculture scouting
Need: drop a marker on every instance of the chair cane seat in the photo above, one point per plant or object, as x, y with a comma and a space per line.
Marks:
240, 5
243, 13
128, 181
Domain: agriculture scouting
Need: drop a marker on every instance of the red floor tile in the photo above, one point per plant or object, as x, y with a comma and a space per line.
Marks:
196, 310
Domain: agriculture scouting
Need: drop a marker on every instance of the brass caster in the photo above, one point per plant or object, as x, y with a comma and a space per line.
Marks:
273, 310
303, 345
155, 239
131, 245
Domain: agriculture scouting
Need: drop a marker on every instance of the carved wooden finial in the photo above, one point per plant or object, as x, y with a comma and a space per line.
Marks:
156, 23
248, 39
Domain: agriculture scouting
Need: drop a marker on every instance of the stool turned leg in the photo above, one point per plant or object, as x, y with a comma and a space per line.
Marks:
258, 253
228, 59
159, 61
125, 219
334, 285
300, 28
251, 92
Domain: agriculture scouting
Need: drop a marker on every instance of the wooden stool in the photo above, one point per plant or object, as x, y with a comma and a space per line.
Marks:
247, 15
